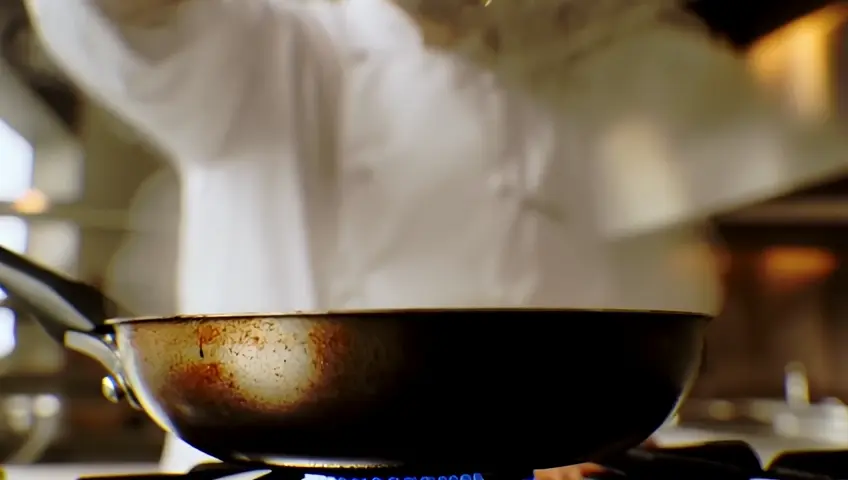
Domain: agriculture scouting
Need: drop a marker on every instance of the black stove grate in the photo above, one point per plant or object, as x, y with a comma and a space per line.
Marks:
709, 461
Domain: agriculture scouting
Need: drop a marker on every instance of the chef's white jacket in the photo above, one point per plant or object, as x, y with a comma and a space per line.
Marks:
329, 159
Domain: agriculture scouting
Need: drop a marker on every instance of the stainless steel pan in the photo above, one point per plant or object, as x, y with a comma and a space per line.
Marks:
449, 389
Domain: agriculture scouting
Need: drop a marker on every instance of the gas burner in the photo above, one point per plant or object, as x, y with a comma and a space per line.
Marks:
709, 461
221, 471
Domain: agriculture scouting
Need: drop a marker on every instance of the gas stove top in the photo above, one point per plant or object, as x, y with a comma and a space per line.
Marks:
730, 460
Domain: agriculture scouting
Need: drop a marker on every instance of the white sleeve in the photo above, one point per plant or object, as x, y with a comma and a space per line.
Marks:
184, 84
684, 134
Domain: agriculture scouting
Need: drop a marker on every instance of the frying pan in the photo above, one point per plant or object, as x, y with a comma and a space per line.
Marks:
461, 389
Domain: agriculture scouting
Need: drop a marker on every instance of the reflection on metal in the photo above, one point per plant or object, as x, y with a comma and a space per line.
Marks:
672, 421
796, 265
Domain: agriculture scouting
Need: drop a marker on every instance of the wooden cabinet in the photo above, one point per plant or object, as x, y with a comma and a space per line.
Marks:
786, 291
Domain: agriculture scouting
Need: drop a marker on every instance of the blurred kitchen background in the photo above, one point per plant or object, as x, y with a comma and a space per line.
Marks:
82, 194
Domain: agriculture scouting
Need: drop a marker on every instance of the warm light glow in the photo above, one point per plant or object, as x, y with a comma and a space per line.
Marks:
797, 264
32, 202
794, 60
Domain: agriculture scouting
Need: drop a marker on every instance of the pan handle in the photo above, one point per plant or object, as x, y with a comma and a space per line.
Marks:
103, 350
72, 312
60, 303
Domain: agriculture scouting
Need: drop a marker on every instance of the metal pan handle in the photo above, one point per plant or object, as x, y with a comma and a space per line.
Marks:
72, 312
60, 303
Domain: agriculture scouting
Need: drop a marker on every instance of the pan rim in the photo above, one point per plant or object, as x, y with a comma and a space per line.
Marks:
380, 312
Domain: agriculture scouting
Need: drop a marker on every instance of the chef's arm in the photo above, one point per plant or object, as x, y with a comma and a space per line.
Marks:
699, 139
181, 71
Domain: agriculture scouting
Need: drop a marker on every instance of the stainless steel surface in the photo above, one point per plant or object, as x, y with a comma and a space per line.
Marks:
104, 350
112, 390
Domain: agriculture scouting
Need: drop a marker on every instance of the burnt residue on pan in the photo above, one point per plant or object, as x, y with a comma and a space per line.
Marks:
209, 332
208, 387
330, 347
262, 369
206, 334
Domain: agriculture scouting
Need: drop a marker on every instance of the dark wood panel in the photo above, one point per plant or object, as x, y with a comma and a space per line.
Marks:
769, 322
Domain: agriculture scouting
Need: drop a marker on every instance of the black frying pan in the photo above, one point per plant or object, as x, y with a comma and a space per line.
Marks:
466, 390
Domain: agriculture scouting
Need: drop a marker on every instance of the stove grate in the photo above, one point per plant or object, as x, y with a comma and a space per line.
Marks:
710, 461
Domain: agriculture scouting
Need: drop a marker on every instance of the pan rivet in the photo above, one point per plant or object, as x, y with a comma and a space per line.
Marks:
111, 390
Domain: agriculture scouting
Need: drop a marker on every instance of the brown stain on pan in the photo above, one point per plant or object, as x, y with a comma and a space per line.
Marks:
212, 333
201, 386
351, 362
207, 389
202, 378
329, 347
206, 334
251, 338
290, 367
